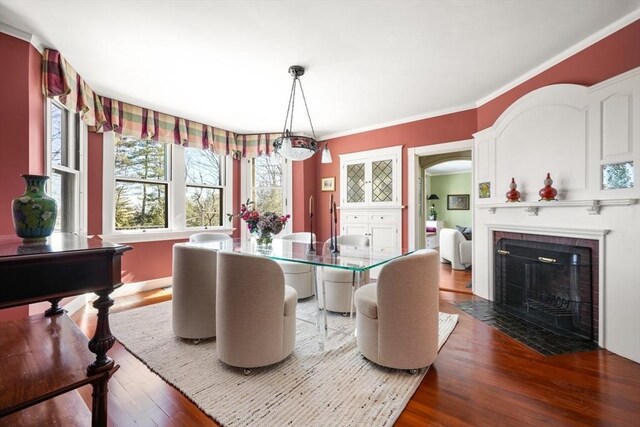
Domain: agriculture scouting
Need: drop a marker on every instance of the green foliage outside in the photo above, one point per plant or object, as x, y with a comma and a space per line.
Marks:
140, 204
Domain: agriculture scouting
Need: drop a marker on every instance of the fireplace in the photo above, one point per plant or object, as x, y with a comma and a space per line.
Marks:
549, 281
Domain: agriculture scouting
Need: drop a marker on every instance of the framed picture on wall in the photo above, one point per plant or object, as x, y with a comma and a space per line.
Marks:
458, 202
328, 184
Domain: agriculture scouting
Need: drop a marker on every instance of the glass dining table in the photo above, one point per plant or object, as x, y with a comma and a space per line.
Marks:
358, 260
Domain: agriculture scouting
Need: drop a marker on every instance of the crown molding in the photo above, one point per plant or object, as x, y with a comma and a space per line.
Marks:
419, 117
567, 53
22, 35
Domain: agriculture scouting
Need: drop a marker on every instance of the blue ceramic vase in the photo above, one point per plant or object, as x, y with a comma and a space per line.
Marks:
34, 213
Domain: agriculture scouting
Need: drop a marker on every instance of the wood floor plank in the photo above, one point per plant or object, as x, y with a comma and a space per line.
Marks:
481, 377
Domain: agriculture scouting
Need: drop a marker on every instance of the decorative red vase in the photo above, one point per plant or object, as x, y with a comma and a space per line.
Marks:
548, 193
513, 195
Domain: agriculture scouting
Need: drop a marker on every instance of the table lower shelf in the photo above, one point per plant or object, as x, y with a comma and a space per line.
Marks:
41, 358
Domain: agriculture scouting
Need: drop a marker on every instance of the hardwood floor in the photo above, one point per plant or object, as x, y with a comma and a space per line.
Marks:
481, 377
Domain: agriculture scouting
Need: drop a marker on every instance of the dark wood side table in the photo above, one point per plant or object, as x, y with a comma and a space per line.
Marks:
66, 265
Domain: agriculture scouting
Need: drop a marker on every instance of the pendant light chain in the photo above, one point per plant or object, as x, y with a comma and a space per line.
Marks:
297, 146
291, 96
307, 108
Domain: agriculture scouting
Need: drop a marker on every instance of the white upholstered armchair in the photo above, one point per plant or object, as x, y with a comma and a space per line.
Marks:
455, 249
397, 317
338, 282
298, 275
194, 292
208, 236
255, 311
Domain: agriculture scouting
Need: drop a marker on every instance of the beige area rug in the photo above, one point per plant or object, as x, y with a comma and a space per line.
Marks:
310, 388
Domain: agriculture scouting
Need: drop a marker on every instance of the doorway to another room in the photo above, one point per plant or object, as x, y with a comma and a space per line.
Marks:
441, 197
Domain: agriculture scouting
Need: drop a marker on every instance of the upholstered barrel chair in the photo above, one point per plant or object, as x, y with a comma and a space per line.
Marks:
397, 317
455, 249
339, 283
194, 291
255, 311
209, 237
297, 275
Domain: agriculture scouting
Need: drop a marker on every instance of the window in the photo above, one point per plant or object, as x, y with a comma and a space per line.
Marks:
204, 190
156, 191
141, 172
267, 184
66, 136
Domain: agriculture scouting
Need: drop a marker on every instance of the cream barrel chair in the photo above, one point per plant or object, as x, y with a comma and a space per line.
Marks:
338, 282
255, 311
194, 292
455, 249
397, 317
208, 237
298, 275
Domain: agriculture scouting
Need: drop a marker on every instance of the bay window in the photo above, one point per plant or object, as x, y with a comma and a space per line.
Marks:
156, 191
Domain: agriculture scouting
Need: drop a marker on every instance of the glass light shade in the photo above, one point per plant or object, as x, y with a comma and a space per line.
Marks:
326, 155
295, 147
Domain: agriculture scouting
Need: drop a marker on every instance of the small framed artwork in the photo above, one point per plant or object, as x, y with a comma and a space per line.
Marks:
328, 184
484, 190
458, 202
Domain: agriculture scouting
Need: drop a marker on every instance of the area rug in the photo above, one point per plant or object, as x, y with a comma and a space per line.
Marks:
310, 388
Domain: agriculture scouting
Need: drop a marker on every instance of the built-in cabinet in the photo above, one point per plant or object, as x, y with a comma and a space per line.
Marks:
371, 178
370, 192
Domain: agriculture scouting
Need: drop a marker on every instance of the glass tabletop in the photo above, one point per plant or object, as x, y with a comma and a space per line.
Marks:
349, 258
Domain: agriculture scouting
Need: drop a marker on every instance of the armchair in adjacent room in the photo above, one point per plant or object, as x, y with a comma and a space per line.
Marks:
455, 249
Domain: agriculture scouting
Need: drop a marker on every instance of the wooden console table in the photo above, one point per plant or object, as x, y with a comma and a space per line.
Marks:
40, 356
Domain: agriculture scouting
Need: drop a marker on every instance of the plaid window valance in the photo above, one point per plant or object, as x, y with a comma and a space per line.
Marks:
102, 114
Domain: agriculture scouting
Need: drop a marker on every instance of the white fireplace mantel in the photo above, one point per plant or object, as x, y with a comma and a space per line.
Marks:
571, 132
578, 233
592, 207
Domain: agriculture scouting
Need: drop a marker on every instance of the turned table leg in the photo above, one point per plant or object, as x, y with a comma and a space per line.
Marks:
55, 308
102, 339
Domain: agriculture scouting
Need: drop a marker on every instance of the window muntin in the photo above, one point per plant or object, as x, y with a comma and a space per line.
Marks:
141, 184
204, 177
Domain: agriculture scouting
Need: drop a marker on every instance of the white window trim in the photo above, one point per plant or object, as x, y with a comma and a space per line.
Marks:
80, 214
175, 192
245, 190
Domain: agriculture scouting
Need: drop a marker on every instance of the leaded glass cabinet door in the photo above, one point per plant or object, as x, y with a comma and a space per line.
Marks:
356, 183
381, 188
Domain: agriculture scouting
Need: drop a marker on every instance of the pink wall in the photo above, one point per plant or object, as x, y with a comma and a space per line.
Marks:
450, 127
21, 129
94, 184
304, 186
609, 57
21, 139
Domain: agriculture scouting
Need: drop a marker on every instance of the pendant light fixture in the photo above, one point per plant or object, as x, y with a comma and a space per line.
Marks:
298, 147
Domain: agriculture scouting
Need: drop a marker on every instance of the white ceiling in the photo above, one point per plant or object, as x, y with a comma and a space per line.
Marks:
369, 63
446, 168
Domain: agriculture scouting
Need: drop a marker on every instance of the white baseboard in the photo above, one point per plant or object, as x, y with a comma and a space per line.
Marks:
126, 289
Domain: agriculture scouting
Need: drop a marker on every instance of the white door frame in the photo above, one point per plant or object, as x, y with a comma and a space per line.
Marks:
414, 168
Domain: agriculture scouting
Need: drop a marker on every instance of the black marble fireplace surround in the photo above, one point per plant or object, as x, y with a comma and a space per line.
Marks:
545, 292
548, 284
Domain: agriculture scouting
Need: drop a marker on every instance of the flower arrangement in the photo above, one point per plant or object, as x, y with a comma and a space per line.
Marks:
264, 225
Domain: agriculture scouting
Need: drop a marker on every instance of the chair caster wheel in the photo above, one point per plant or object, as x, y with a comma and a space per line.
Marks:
345, 314
246, 372
413, 371
196, 341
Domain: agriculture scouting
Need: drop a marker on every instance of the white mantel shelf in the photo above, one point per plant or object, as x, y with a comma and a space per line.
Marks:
591, 206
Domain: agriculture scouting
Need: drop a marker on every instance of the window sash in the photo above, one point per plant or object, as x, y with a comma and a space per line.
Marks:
176, 197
